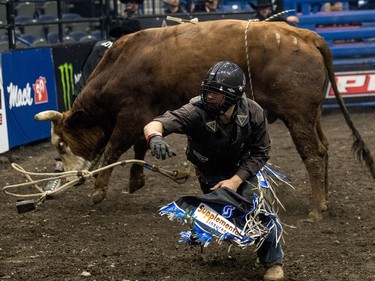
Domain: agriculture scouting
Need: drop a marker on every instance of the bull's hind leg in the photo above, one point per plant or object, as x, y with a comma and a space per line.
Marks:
137, 178
311, 144
324, 142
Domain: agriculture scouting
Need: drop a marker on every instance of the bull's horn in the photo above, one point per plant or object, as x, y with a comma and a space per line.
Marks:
174, 19
194, 20
50, 115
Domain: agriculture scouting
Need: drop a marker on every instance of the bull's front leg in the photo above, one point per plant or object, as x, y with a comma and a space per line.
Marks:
114, 149
137, 177
100, 187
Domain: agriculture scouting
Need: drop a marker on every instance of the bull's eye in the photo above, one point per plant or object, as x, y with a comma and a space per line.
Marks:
60, 147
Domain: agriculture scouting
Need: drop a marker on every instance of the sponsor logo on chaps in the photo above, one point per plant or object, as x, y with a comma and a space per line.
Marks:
228, 211
354, 84
208, 216
40, 91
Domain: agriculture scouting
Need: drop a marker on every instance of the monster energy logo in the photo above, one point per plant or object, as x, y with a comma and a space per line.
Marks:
67, 82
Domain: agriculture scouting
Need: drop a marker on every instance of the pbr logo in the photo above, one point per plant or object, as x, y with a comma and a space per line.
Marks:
40, 91
354, 84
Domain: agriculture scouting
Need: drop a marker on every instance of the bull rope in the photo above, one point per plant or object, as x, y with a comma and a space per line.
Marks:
280, 14
82, 175
248, 60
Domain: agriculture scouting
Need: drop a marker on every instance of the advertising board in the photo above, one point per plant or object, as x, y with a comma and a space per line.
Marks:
68, 62
356, 87
29, 88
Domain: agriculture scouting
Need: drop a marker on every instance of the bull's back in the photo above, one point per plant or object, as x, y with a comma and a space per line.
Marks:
165, 66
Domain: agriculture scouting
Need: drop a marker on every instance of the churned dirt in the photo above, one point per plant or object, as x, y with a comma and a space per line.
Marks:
124, 238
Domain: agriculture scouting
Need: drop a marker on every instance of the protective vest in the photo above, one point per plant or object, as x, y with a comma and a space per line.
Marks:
212, 149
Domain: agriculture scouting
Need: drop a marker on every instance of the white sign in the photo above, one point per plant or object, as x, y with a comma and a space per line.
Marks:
4, 144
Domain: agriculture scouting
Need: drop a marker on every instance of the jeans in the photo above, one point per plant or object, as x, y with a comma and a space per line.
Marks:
270, 253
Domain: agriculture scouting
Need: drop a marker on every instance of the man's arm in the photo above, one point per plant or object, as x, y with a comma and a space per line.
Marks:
154, 127
153, 132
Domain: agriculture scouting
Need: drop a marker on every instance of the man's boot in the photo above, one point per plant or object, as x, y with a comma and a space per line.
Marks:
274, 273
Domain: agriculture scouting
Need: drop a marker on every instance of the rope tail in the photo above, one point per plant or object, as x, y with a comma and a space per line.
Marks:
279, 14
359, 147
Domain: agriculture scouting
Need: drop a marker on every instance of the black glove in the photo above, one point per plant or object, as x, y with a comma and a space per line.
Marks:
159, 147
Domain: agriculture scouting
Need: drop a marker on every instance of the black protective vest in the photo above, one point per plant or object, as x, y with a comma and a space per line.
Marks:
211, 149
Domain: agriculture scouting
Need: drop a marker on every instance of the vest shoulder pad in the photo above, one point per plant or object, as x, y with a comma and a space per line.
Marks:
196, 100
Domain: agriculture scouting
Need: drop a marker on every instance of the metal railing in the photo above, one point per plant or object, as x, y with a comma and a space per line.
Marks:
11, 25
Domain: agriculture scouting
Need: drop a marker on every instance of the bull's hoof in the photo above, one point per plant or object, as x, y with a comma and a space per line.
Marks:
135, 184
324, 207
98, 196
314, 216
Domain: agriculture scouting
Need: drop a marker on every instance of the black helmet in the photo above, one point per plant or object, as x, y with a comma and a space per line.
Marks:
225, 78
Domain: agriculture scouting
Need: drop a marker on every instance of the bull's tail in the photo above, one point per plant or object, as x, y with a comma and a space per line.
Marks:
359, 147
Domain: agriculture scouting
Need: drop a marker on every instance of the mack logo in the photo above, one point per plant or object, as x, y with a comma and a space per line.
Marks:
40, 90
19, 97
68, 80
354, 84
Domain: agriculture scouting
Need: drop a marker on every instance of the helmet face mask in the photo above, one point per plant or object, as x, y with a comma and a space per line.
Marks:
224, 78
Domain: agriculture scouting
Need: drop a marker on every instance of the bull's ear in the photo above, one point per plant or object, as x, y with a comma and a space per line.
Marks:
79, 119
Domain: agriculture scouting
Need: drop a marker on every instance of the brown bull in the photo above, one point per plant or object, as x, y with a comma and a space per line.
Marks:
151, 71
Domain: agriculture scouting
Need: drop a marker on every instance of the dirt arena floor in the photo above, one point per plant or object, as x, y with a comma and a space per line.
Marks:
124, 238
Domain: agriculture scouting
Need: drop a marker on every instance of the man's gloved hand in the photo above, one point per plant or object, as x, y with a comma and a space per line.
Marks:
159, 147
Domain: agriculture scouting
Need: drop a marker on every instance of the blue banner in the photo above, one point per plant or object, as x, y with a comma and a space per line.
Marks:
29, 88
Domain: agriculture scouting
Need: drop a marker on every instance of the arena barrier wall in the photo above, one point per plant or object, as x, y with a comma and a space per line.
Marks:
68, 61
34, 80
29, 87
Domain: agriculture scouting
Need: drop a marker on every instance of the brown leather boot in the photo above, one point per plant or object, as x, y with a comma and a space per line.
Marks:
274, 273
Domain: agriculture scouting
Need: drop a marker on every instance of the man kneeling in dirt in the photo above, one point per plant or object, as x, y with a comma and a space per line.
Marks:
228, 143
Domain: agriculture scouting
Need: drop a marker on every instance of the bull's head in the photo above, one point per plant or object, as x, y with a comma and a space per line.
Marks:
76, 142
